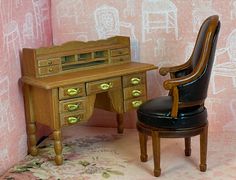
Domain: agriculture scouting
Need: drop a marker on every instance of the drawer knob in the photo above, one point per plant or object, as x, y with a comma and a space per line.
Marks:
106, 86
136, 93
73, 120
73, 91
50, 69
136, 104
72, 107
135, 81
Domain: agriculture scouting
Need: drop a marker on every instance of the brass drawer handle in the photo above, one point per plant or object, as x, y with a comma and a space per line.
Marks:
73, 91
136, 93
136, 104
72, 107
73, 120
135, 81
106, 86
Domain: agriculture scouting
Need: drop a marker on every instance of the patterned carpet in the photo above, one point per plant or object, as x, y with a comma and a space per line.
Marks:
100, 153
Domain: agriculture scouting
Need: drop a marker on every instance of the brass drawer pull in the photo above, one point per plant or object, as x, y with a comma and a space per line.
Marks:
73, 120
136, 93
50, 69
72, 107
135, 81
73, 91
106, 86
136, 104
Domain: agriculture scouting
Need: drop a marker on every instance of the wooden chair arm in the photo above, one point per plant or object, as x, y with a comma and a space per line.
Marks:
175, 102
165, 70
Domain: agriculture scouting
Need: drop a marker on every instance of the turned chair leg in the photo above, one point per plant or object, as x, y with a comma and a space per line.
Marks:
203, 149
156, 153
187, 146
143, 146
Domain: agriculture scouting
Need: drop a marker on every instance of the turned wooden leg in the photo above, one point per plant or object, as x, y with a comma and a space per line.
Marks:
30, 122
58, 147
203, 149
156, 153
187, 146
143, 146
31, 130
120, 123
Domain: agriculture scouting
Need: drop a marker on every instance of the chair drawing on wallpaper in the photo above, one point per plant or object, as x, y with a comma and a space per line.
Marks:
72, 11
107, 22
130, 8
11, 33
181, 113
226, 69
165, 13
28, 29
161, 51
41, 9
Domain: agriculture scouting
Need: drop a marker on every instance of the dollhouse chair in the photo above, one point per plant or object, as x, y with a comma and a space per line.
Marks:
108, 24
181, 114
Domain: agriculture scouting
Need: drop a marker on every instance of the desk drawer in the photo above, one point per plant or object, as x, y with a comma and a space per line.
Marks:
72, 118
72, 105
48, 70
120, 58
134, 91
134, 79
76, 90
133, 103
103, 85
120, 52
49, 62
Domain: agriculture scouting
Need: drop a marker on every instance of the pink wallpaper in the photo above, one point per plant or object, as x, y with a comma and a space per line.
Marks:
23, 23
162, 32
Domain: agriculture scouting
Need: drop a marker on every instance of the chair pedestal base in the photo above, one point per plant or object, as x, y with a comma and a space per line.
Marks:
157, 133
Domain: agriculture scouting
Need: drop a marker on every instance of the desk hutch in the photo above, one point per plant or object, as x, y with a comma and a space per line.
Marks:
63, 84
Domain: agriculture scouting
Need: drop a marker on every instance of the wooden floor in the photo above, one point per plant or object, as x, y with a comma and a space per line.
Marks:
100, 153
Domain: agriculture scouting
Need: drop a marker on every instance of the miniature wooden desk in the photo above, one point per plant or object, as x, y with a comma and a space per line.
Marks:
57, 97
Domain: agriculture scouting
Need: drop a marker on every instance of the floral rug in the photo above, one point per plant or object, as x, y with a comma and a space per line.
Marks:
100, 153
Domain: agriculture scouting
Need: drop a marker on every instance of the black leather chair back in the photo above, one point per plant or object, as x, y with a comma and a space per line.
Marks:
197, 90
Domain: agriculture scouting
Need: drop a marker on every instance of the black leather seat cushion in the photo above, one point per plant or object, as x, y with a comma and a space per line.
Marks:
157, 113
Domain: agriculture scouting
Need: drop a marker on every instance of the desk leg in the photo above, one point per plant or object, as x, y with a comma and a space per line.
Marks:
120, 123
56, 127
30, 122
58, 147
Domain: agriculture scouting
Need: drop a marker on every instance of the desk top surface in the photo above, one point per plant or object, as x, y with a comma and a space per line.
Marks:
88, 75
